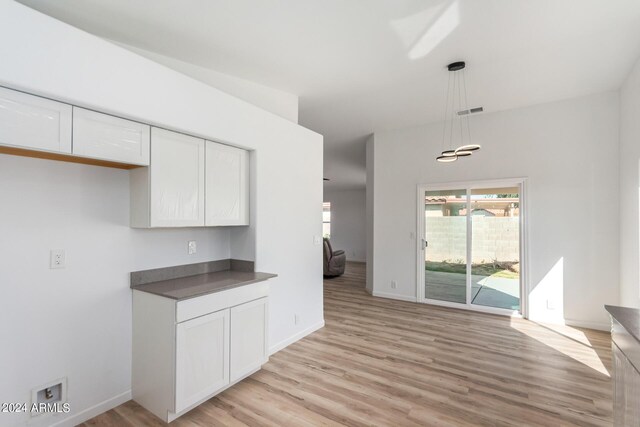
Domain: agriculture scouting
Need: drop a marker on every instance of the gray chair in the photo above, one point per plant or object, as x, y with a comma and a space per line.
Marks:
334, 262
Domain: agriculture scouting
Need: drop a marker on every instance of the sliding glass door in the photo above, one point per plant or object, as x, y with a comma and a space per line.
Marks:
471, 246
446, 254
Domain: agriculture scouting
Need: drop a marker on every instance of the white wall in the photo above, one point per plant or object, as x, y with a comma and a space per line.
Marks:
568, 151
276, 101
348, 222
77, 322
370, 210
629, 189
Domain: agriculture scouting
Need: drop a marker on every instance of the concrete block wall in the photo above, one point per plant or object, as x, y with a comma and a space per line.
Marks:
494, 238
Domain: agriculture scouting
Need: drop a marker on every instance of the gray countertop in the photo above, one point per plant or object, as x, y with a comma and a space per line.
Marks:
202, 284
193, 280
628, 318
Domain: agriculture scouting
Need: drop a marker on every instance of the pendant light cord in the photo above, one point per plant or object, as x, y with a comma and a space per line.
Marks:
460, 106
466, 103
453, 107
446, 112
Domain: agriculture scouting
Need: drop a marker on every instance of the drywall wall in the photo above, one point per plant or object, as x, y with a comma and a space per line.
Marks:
370, 210
629, 189
84, 312
75, 322
568, 151
348, 222
278, 102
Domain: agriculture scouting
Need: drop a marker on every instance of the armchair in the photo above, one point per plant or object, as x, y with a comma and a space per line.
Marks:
334, 261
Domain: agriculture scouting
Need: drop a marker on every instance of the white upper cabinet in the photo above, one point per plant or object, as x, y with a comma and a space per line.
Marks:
177, 179
105, 137
32, 122
170, 192
227, 185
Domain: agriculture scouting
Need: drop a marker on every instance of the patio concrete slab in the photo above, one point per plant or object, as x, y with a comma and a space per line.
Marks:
488, 291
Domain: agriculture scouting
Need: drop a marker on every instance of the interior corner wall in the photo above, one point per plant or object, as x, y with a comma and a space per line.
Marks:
76, 322
567, 150
348, 222
370, 211
276, 101
630, 189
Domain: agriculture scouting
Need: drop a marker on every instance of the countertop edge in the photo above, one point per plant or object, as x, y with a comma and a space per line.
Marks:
145, 287
625, 319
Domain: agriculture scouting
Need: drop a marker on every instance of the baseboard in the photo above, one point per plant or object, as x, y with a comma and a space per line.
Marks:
94, 410
357, 261
599, 326
394, 296
287, 342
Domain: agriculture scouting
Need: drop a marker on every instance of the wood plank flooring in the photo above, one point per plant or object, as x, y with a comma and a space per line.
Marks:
394, 363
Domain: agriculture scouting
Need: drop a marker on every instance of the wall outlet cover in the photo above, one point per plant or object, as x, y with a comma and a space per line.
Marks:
317, 240
394, 284
57, 258
54, 392
192, 247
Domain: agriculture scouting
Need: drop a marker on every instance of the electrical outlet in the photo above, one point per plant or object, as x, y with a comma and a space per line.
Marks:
317, 240
551, 305
296, 319
394, 284
57, 258
192, 247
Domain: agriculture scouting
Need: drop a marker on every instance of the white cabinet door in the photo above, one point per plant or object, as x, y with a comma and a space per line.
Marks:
227, 177
202, 358
176, 180
35, 123
106, 137
249, 342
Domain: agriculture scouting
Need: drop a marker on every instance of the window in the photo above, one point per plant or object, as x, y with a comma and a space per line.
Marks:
326, 219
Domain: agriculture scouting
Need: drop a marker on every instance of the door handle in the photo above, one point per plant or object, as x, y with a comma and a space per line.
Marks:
424, 244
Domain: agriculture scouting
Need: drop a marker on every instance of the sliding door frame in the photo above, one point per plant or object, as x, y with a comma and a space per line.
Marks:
524, 252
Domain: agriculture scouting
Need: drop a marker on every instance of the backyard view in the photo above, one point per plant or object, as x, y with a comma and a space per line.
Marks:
495, 246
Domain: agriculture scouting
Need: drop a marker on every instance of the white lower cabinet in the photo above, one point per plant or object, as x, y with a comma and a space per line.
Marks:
202, 358
248, 338
185, 352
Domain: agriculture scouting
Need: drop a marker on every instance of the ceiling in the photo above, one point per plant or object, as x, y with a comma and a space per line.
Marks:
361, 66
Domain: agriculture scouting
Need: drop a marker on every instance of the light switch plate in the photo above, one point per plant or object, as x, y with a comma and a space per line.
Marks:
192, 247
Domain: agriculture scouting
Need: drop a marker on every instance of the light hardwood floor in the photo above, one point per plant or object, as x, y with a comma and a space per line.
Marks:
386, 362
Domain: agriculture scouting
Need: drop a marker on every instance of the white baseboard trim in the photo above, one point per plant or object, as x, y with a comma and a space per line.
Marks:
287, 342
599, 326
394, 296
357, 261
94, 410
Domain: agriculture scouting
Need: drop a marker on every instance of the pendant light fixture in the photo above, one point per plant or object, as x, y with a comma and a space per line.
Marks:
456, 117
